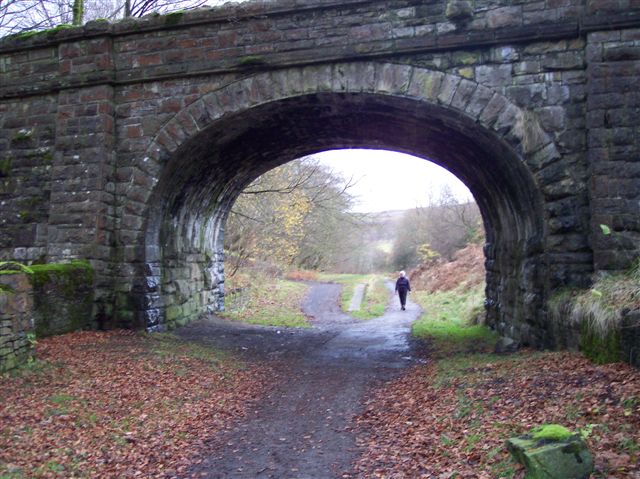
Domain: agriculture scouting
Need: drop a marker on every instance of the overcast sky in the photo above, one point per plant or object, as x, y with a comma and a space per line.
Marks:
388, 180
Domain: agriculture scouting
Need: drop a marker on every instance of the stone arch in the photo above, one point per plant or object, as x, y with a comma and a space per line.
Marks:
211, 149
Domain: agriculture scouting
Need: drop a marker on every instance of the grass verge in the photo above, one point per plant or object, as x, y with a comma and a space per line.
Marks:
447, 321
376, 295
267, 301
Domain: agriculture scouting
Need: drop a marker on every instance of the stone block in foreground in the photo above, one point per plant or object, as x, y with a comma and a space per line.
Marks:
547, 459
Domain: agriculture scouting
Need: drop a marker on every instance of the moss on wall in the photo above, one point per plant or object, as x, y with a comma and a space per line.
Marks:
173, 18
5, 166
600, 348
63, 297
76, 273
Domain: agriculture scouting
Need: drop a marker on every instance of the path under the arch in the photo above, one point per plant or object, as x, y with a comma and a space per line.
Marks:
303, 428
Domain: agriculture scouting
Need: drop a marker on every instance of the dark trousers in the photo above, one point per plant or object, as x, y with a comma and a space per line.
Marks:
403, 296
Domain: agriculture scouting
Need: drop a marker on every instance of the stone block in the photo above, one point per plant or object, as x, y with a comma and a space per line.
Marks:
527, 96
393, 78
479, 100
552, 118
550, 459
448, 89
425, 84
493, 110
630, 337
463, 94
494, 75
504, 17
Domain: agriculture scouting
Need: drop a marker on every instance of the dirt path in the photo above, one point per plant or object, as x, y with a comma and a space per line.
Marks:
302, 429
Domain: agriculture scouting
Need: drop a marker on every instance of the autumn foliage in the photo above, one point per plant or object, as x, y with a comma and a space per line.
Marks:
467, 267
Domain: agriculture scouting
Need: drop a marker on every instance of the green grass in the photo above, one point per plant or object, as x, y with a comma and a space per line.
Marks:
376, 295
447, 320
269, 302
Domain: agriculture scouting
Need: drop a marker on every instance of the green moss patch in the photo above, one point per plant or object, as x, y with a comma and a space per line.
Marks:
5, 167
550, 432
74, 274
251, 60
600, 348
13, 267
173, 18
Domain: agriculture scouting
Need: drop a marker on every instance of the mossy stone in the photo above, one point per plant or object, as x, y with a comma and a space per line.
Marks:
172, 313
459, 10
173, 18
551, 459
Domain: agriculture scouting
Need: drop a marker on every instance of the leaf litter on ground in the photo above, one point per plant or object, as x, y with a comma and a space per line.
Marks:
119, 404
451, 418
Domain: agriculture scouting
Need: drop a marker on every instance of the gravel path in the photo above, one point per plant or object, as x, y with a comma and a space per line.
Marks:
302, 429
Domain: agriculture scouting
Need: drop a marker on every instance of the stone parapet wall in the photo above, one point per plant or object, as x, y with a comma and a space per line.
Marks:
16, 320
280, 34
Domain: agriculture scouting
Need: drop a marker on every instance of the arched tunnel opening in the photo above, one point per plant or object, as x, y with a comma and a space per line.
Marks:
204, 176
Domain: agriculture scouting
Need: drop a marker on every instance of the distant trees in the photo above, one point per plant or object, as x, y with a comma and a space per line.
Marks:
296, 216
441, 228
18, 16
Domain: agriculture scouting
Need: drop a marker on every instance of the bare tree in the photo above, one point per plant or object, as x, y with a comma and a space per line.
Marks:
295, 215
23, 15
444, 226
139, 8
18, 16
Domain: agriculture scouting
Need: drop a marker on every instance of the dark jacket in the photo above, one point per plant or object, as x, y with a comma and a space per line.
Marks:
403, 284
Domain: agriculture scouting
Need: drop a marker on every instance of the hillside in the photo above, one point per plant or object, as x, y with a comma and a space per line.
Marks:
466, 268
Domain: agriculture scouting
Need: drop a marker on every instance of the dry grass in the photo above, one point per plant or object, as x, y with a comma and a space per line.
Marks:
601, 306
302, 275
466, 268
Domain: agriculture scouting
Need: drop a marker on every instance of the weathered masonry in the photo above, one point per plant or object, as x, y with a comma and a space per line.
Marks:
127, 144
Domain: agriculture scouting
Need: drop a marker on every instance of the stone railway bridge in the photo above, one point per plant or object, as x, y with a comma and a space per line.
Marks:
127, 144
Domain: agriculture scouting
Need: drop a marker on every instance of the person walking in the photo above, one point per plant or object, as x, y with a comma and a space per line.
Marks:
402, 288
